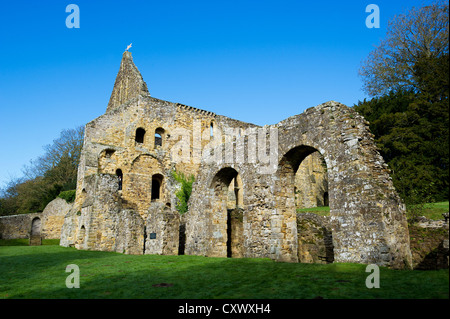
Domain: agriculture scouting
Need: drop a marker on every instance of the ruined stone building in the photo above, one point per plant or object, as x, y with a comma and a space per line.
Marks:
249, 180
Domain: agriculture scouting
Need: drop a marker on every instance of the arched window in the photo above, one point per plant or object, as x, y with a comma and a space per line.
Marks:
159, 133
120, 177
140, 134
156, 186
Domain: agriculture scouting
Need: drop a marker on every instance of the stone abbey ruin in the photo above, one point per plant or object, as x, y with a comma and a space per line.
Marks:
249, 182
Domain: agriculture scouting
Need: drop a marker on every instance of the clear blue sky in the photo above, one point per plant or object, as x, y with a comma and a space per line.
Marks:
256, 61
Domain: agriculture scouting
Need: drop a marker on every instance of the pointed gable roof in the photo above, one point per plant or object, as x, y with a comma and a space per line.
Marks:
129, 83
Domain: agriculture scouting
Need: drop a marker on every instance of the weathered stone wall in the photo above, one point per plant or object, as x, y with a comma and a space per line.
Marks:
51, 222
430, 244
162, 230
367, 220
101, 223
53, 218
16, 226
367, 216
315, 242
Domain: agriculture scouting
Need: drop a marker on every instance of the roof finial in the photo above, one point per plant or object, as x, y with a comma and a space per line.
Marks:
129, 46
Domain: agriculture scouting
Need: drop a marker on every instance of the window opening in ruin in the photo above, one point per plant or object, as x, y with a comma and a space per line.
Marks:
211, 130
120, 177
159, 136
140, 134
109, 153
156, 186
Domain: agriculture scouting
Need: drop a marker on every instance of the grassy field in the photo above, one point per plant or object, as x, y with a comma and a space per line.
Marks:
435, 210
431, 210
39, 272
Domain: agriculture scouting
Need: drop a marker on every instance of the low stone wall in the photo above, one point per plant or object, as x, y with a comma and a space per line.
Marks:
16, 226
315, 244
430, 244
52, 219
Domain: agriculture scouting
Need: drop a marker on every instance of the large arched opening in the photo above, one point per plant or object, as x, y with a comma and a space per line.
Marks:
302, 183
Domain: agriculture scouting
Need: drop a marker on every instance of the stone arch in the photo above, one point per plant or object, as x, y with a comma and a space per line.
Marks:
311, 182
285, 221
367, 216
226, 224
159, 137
139, 182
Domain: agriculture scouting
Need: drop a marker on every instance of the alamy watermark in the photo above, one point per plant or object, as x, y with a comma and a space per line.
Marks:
73, 19
253, 145
373, 280
73, 280
373, 19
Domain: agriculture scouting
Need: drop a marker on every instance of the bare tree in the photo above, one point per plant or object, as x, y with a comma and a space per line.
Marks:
417, 34
64, 152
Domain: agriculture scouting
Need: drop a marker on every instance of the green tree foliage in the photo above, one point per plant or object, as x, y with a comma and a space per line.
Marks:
409, 78
46, 177
412, 132
184, 192
68, 196
394, 64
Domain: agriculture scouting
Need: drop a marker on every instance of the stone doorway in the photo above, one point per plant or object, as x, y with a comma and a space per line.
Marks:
35, 233
227, 214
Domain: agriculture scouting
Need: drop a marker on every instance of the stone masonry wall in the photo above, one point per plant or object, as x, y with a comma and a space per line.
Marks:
162, 230
52, 219
142, 140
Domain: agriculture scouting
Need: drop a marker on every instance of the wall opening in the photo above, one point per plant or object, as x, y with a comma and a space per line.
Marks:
119, 175
36, 227
227, 219
140, 134
235, 198
311, 182
81, 236
326, 200
159, 133
182, 239
156, 187
294, 192
211, 130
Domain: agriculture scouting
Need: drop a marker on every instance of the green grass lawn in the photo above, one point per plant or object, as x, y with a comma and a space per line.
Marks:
39, 272
322, 210
435, 210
